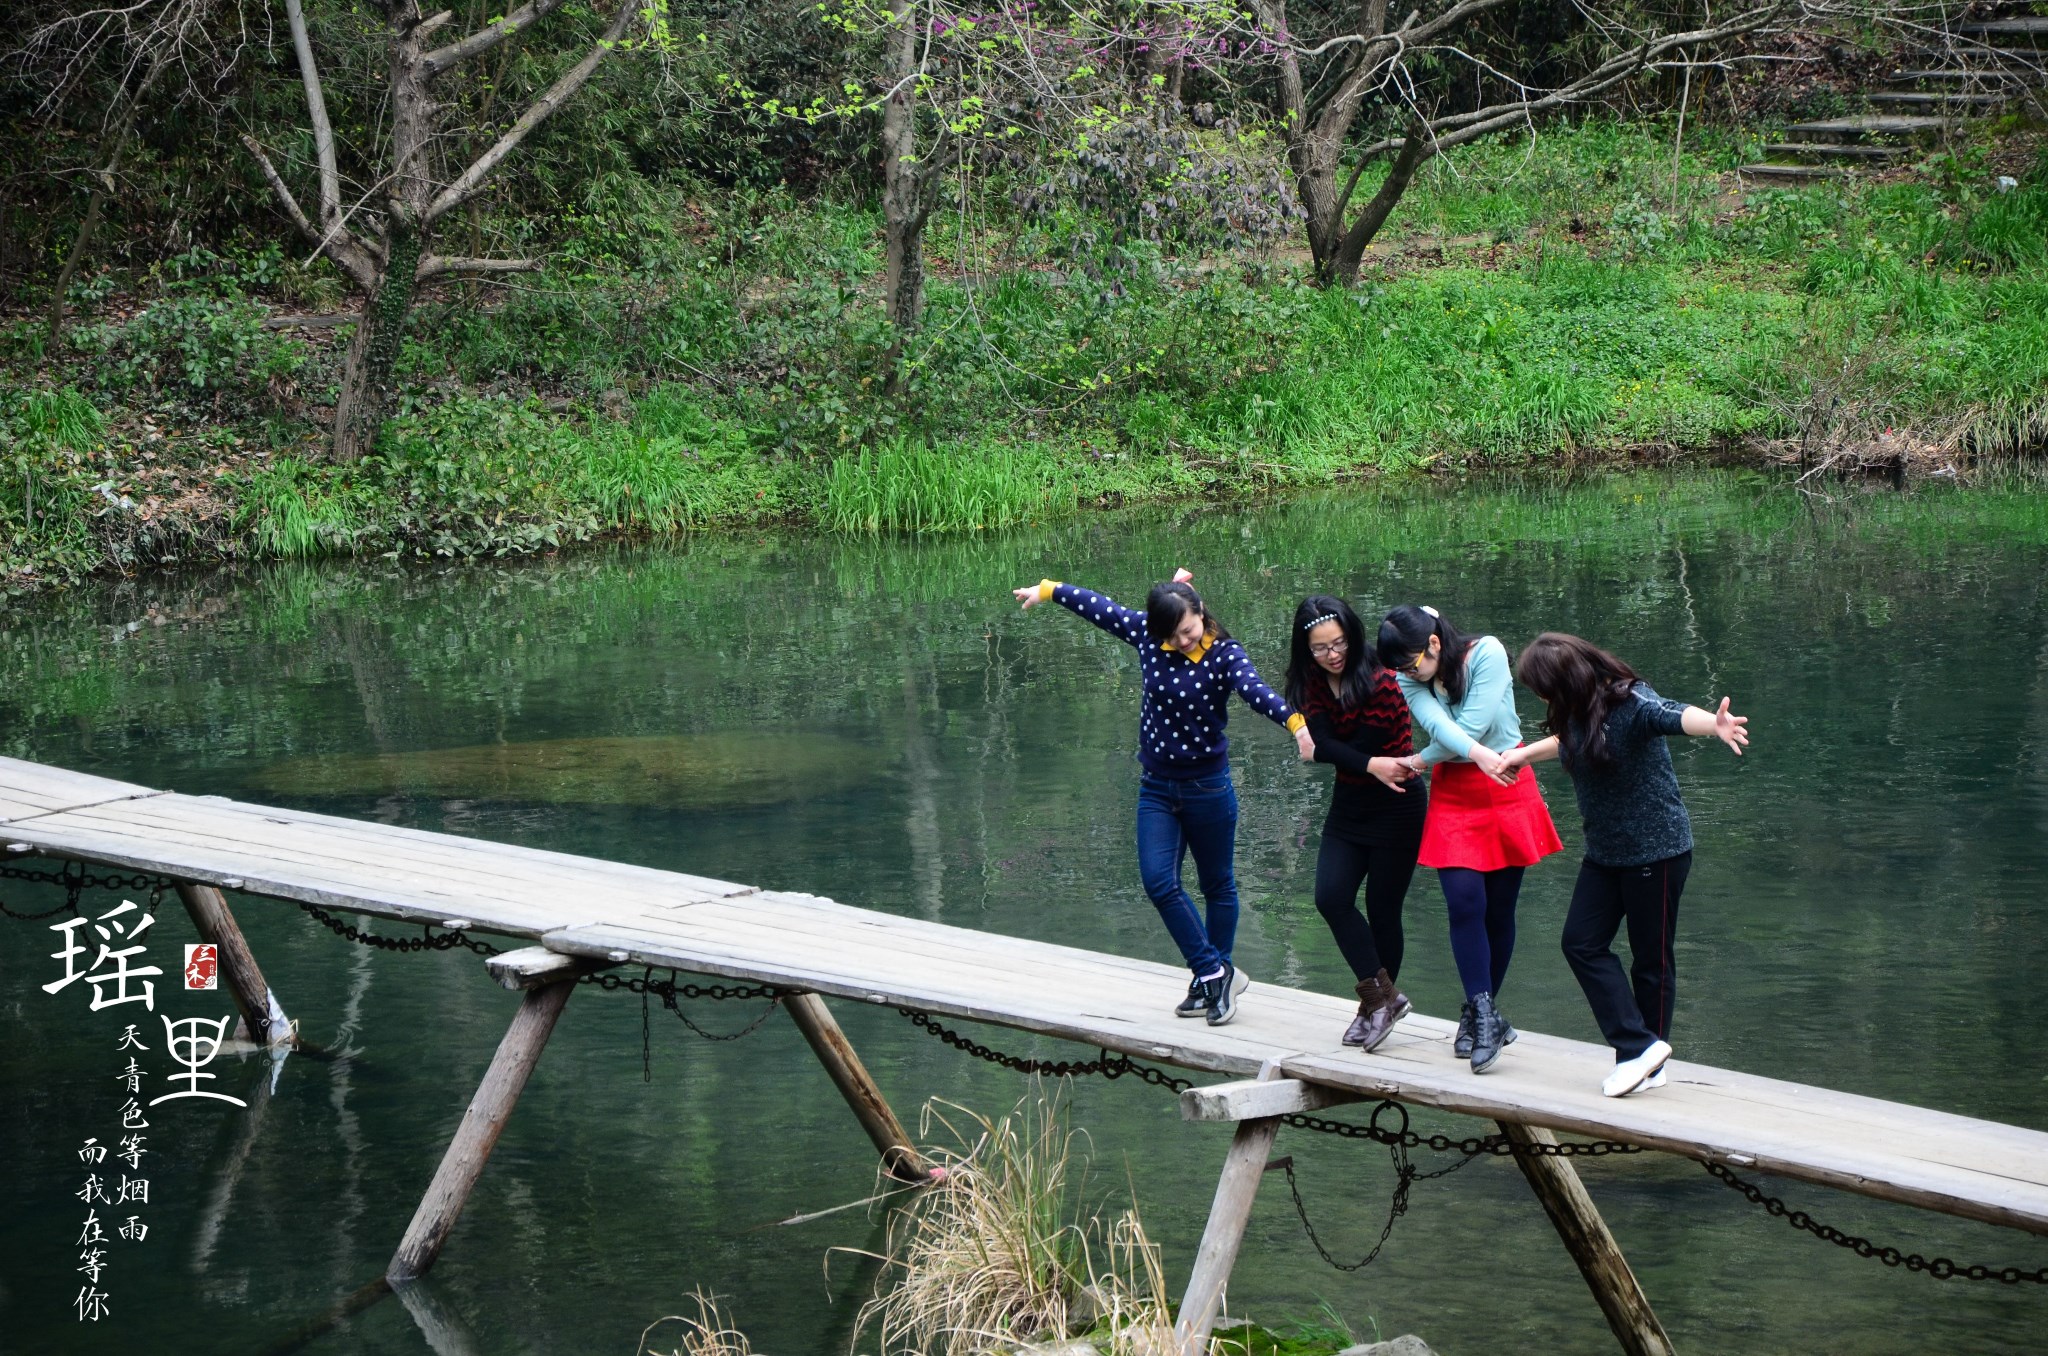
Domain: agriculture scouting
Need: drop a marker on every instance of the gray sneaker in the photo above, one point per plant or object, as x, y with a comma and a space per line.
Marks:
1222, 993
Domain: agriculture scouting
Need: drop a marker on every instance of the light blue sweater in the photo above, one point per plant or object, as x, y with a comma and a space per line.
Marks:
1486, 716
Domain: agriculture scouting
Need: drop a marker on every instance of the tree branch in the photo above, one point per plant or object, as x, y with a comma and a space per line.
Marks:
337, 244
440, 265
487, 37
473, 179
316, 107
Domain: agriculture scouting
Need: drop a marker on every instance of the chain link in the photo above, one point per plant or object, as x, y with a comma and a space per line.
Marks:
1105, 1064
76, 880
669, 992
1940, 1268
429, 940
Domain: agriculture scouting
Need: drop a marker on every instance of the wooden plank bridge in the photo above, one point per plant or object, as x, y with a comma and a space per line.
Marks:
584, 914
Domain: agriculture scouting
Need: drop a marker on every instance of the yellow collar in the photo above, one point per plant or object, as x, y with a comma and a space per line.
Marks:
1195, 655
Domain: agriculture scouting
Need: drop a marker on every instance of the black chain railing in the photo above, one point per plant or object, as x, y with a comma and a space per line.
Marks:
1940, 1268
1401, 1137
75, 880
428, 940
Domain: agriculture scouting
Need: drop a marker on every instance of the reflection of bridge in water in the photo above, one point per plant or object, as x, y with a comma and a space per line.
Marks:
586, 915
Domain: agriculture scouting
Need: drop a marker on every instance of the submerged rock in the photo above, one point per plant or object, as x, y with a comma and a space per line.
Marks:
1408, 1344
680, 772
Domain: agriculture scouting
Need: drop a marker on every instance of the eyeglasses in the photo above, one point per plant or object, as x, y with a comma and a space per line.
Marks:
1413, 665
1325, 651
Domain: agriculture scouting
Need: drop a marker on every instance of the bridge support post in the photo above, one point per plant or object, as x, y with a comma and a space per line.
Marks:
478, 1134
1586, 1237
821, 1029
243, 978
1229, 1213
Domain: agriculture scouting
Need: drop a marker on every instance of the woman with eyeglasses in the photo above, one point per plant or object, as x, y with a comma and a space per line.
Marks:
1374, 828
1608, 728
1480, 834
1189, 666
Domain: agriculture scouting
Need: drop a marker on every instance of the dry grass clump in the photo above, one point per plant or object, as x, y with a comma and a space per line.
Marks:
706, 1333
1000, 1252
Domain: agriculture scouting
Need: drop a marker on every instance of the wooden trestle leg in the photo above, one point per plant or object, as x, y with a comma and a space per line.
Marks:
1585, 1236
259, 1007
548, 980
1236, 1189
821, 1029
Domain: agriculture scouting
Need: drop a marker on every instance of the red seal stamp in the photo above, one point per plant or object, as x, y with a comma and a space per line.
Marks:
202, 965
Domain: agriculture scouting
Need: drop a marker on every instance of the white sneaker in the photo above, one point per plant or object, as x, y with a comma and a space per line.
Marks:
1655, 1080
1631, 1074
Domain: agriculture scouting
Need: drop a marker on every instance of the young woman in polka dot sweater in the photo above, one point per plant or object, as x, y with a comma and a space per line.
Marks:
1186, 803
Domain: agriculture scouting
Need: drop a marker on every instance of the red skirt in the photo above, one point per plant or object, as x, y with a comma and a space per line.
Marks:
1477, 823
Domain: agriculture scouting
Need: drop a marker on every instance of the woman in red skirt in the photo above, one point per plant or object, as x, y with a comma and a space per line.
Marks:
1479, 834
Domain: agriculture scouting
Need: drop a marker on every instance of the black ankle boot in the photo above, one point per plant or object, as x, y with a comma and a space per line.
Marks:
1462, 1045
1489, 1033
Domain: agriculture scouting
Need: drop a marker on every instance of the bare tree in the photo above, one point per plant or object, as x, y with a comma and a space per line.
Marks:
121, 58
1329, 80
383, 241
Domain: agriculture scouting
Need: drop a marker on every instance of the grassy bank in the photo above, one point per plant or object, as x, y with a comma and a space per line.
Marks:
1580, 296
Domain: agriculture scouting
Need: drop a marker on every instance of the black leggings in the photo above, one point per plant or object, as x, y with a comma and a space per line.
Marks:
1372, 942
1633, 1009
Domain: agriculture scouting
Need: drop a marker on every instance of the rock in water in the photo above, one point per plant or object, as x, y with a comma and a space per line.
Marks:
1408, 1344
727, 771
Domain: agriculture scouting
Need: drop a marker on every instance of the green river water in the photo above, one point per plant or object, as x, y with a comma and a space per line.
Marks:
875, 721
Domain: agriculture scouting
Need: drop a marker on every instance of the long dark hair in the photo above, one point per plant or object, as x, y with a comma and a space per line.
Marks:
1405, 633
1580, 683
1167, 603
1361, 665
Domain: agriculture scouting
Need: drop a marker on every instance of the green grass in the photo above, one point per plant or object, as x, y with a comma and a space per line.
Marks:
725, 362
904, 487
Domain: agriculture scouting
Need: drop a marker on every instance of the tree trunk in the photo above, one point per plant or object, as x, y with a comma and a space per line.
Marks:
903, 209
903, 287
102, 186
1344, 263
368, 377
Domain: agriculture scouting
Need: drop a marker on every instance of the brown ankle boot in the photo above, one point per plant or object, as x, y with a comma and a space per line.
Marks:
1380, 1005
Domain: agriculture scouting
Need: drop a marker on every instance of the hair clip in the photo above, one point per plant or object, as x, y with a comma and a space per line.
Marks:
1432, 612
1312, 625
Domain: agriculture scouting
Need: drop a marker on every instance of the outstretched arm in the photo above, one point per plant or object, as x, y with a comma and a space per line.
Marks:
1730, 729
1268, 703
1090, 606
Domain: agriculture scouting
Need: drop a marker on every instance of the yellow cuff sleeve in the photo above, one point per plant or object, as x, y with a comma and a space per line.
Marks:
1295, 722
1045, 588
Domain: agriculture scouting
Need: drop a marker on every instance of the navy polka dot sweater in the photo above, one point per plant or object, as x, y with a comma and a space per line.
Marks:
1180, 725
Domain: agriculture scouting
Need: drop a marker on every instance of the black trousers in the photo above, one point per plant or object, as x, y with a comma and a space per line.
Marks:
1633, 1009
1374, 941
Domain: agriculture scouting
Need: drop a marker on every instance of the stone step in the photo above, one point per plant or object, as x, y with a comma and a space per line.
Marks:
1870, 125
1800, 174
2028, 34
2020, 26
1940, 98
1797, 151
1989, 76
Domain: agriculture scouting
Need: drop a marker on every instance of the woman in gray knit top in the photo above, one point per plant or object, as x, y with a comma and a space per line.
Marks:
1608, 729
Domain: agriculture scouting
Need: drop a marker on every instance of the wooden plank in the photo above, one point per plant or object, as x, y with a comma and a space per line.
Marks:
1587, 1239
1236, 1188
478, 1134
1250, 1099
609, 913
532, 966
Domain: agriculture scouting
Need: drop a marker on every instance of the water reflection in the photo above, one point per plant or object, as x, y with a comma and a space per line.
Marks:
1869, 908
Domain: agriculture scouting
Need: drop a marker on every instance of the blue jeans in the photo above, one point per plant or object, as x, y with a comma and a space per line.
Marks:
1199, 816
